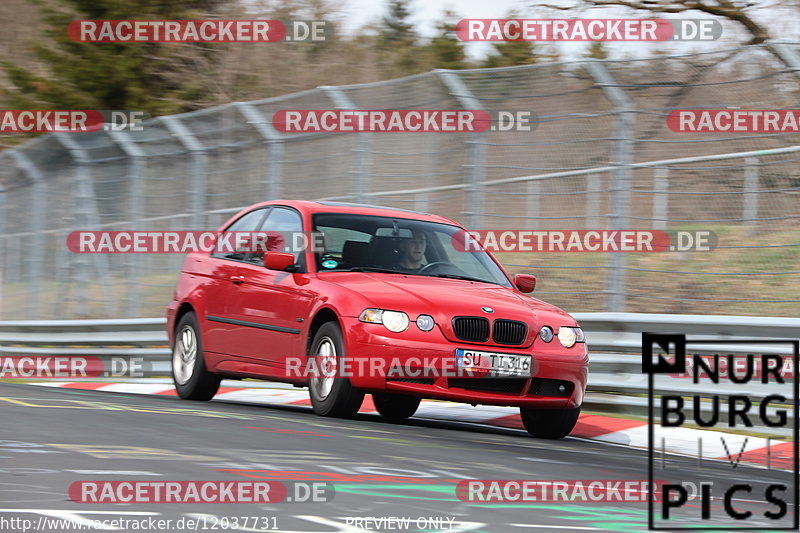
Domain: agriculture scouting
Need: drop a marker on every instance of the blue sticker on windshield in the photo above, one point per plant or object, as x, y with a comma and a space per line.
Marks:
330, 263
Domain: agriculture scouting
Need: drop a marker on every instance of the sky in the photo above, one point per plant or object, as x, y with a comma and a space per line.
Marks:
782, 16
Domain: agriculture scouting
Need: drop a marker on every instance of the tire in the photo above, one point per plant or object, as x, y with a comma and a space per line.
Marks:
395, 405
189, 374
549, 423
332, 396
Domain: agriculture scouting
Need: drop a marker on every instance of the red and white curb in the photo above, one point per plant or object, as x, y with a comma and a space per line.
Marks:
684, 441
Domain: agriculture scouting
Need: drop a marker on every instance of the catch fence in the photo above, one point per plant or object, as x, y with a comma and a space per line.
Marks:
600, 157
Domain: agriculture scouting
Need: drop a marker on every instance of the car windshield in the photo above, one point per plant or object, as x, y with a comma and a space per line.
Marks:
369, 243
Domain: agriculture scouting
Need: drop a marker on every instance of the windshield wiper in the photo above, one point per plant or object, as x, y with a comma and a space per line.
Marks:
390, 271
374, 269
458, 276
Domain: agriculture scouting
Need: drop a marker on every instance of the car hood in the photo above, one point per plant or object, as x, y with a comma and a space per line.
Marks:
446, 298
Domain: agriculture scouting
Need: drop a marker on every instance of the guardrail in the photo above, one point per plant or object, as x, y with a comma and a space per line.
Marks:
616, 383
140, 337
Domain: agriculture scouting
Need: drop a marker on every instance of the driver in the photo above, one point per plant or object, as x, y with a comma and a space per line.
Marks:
412, 252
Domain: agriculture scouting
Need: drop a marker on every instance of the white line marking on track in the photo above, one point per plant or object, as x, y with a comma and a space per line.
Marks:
566, 528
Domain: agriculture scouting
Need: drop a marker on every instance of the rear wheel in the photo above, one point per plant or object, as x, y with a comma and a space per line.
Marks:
331, 395
549, 423
192, 380
395, 405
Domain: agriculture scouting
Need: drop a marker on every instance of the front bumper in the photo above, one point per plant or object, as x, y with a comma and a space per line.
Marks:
433, 356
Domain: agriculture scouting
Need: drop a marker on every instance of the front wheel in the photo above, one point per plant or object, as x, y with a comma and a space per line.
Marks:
331, 394
395, 405
549, 423
192, 380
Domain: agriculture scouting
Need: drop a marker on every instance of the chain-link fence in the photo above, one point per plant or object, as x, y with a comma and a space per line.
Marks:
601, 157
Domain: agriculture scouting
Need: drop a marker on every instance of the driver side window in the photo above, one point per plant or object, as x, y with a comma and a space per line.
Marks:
289, 225
248, 222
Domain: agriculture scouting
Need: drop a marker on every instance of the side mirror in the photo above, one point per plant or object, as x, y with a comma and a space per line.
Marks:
278, 260
525, 282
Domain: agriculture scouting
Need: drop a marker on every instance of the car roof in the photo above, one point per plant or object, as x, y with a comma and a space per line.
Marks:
311, 207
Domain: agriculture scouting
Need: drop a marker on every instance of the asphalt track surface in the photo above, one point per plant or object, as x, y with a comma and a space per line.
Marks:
55, 437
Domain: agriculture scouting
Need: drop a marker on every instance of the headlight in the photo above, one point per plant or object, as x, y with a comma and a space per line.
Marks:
546, 333
395, 321
568, 336
425, 322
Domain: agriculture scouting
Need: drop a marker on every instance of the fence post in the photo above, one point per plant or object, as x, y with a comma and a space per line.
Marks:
533, 190
422, 202
475, 195
86, 216
788, 55
273, 178
593, 200
198, 169
136, 213
620, 176
750, 200
363, 144
35, 248
660, 198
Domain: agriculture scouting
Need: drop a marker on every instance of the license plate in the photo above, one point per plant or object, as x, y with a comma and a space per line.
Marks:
494, 364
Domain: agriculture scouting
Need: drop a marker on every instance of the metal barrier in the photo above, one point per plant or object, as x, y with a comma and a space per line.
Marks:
616, 382
135, 337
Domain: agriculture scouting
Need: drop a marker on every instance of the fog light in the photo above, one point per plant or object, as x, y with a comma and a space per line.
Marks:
562, 388
425, 322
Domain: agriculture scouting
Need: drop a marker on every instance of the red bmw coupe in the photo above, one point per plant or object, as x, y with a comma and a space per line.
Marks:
389, 289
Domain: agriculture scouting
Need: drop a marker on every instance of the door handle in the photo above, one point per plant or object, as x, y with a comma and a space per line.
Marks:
237, 280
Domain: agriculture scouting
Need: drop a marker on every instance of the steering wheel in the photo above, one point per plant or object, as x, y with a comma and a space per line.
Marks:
436, 263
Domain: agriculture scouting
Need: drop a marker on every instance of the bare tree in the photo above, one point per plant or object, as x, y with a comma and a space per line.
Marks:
735, 11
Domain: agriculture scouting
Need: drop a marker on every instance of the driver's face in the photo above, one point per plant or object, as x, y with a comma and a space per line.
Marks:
414, 248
